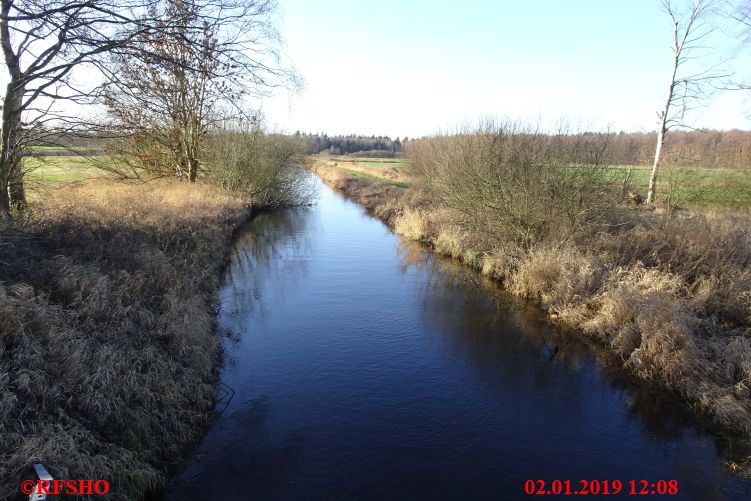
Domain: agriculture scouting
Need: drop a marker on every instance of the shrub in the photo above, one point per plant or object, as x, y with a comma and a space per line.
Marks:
268, 167
514, 181
411, 224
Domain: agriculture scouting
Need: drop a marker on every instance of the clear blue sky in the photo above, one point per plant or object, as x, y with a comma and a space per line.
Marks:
414, 67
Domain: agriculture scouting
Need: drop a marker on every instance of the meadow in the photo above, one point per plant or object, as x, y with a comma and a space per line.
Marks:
395, 172
62, 168
692, 186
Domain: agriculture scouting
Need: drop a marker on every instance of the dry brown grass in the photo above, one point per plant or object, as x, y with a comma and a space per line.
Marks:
412, 224
107, 319
556, 276
710, 252
669, 293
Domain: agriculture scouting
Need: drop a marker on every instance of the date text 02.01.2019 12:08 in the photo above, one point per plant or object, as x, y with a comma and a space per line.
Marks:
600, 487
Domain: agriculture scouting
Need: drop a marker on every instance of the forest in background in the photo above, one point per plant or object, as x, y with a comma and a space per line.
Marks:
709, 149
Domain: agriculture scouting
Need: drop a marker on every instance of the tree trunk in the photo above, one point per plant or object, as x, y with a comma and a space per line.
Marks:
663, 128
4, 203
651, 194
17, 190
11, 175
192, 170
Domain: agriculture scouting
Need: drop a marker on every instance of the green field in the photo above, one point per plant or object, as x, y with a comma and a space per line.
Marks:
60, 169
691, 186
375, 163
64, 151
676, 186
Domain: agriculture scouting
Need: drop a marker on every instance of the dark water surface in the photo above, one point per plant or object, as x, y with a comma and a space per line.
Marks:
366, 368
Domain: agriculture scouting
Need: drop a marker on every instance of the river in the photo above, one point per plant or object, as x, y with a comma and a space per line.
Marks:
364, 367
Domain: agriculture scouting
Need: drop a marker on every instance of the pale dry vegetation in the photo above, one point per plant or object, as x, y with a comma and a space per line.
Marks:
108, 350
669, 292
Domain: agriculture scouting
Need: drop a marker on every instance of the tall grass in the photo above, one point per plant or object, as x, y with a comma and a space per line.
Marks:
108, 349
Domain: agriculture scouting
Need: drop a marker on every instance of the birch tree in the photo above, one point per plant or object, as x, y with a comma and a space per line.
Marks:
687, 87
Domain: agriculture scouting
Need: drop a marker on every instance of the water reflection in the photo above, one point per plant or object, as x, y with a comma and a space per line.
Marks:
491, 328
271, 250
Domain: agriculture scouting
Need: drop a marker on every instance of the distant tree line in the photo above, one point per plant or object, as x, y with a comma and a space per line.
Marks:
347, 145
700, 148
710, 149
704, 148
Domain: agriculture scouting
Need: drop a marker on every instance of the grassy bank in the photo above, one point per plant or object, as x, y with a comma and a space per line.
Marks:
670, 294
107, 297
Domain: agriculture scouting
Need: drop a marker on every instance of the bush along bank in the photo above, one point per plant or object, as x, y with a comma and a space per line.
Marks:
671, 295
109, 352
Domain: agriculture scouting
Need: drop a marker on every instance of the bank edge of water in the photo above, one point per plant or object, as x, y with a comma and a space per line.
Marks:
724, 410
108, 313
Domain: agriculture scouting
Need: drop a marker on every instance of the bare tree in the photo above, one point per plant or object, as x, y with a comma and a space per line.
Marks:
161, 99
687, 85
184, 81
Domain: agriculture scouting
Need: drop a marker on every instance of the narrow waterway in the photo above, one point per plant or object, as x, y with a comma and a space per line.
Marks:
367, 368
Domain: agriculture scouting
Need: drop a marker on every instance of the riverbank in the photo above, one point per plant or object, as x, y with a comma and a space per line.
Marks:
107, 313
688, 337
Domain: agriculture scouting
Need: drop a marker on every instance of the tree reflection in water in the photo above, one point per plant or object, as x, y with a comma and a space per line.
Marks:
487, 323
